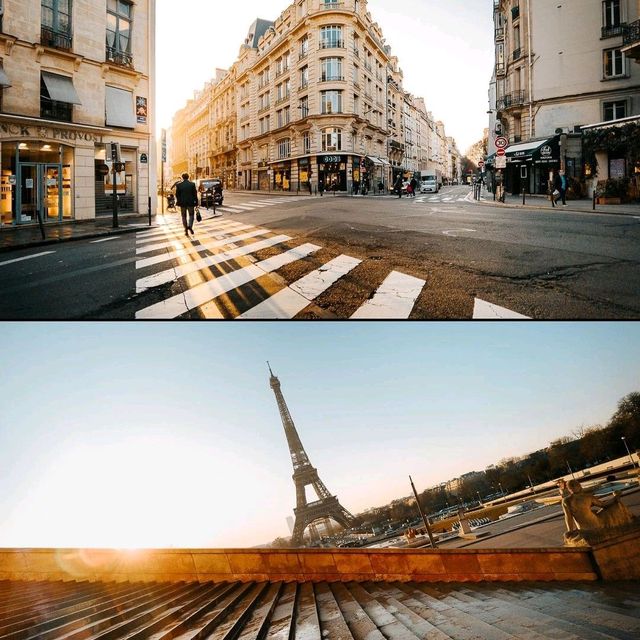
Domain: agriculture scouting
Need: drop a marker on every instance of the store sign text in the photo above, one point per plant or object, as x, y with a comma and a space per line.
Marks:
45, 132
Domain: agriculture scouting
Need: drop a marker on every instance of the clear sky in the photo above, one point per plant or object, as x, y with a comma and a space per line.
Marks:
445, 50
120, 434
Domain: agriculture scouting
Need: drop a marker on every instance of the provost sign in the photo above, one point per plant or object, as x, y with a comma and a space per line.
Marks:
61, 134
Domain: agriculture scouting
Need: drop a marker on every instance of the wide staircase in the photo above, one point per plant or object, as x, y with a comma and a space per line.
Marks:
318, 611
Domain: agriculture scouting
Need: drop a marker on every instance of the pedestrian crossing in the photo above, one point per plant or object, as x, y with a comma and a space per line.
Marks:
229, 270
257, 203
446, 199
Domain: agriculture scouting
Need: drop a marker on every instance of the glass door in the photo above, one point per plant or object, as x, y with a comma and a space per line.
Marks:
28, 203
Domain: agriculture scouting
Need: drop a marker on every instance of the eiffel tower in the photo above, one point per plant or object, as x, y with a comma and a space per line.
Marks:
304, 474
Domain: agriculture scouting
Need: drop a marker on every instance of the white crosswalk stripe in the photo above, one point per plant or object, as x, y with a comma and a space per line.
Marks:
483, 310
393, 300
290, 301
206, 292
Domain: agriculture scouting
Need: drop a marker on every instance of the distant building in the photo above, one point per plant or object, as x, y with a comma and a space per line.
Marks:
559, 67
74, 77
314, 101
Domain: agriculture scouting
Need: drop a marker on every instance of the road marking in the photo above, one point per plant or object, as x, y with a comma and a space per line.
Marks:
183, 251
174, 273
288, 302
175, 227
204, 293
35, 255
175, 241
179, 231
451, 232
393, 300
483, 310
104, 240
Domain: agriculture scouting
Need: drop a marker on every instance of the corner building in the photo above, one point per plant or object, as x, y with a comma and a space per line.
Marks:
312, 100
75, 76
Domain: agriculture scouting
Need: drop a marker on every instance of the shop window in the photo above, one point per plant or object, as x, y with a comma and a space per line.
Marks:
125, 181
614, 110
118, 44
55, 30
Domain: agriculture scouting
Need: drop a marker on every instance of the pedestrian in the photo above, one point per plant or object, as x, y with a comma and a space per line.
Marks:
397, 185
414, 185
561, 184
309, 186
187, 199
380, 187
321, 187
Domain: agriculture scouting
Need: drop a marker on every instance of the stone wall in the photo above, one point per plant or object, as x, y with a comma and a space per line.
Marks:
313, 565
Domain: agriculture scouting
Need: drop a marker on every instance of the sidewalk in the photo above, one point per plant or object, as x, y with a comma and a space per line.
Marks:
540, 202
30, 236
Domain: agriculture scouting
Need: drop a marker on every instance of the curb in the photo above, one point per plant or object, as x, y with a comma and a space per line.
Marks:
506, 205
88, 236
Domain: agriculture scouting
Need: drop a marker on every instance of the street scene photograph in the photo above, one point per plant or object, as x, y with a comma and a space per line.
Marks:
320, 159
455, 480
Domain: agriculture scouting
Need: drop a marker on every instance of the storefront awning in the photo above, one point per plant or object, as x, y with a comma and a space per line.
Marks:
378, 161
4, 79
119, 106
620, 122
545, 151
60, 88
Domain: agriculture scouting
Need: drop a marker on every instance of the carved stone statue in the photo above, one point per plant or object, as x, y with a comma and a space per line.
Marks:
580, 517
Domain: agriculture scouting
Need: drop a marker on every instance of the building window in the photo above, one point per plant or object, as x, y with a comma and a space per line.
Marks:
284, 115
304, 47
611, 18
331, 69
331, 139
284, 148
304, 106
264, 124
614, 110
264, 101
283, 90
304, 77
119, 15
56, 23
282, 65
57, 97
331, 101
331, 37
614, 63
306, 143
263, 78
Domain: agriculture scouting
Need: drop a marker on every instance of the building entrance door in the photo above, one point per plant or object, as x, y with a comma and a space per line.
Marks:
40, 193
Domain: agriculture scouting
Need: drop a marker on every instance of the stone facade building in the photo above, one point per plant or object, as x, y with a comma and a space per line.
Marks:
314, 101
76, 75
558, 68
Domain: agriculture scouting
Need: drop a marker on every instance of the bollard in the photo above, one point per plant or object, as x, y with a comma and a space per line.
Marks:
523, 197
594, 199
149, 210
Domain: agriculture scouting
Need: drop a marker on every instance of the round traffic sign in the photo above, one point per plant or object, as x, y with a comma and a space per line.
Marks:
501, 152
481, 163
501, 142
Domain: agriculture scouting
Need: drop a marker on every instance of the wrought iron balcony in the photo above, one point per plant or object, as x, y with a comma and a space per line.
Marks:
515, 12
54, 110
116, 56
331, 5
331, 78
332, 44
631, 40
612, 31
514, 99
55, 39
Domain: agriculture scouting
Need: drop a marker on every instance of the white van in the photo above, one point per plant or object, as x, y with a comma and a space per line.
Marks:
429, 183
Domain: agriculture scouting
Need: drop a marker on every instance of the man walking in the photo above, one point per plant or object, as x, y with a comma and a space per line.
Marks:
187, 198
414, 186
561, 185
398, 185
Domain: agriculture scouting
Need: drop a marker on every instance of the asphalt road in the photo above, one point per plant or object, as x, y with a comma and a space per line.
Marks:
447, 250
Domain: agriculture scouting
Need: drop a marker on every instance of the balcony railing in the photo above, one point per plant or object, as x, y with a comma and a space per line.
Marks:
515, 99
54, 110
119, 57
331, 78
499, 34
515, 12
613, 31
55, 39
332, 44
302, 55
331, 5
631, 34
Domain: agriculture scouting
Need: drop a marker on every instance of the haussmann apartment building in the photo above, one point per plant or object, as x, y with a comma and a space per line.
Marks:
314, 100
76, 75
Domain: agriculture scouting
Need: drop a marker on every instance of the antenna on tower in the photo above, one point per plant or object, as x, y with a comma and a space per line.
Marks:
271, 372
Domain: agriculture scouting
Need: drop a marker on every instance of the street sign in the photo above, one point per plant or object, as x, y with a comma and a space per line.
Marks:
501, 142
500, 153
501, 162
481, 163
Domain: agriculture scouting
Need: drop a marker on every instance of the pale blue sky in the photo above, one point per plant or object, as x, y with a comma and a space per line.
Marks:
445, 50
121, 434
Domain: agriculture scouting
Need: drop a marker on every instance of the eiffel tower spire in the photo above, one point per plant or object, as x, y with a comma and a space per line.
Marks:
304, 474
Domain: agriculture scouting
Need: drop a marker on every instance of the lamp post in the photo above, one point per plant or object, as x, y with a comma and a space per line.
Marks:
479, 499
530, 483
501, 489
570, 470
633, 463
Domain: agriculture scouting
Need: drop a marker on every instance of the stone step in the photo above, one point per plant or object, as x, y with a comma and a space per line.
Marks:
258, 622
283, 619
307, 621
332, 623
359, 623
